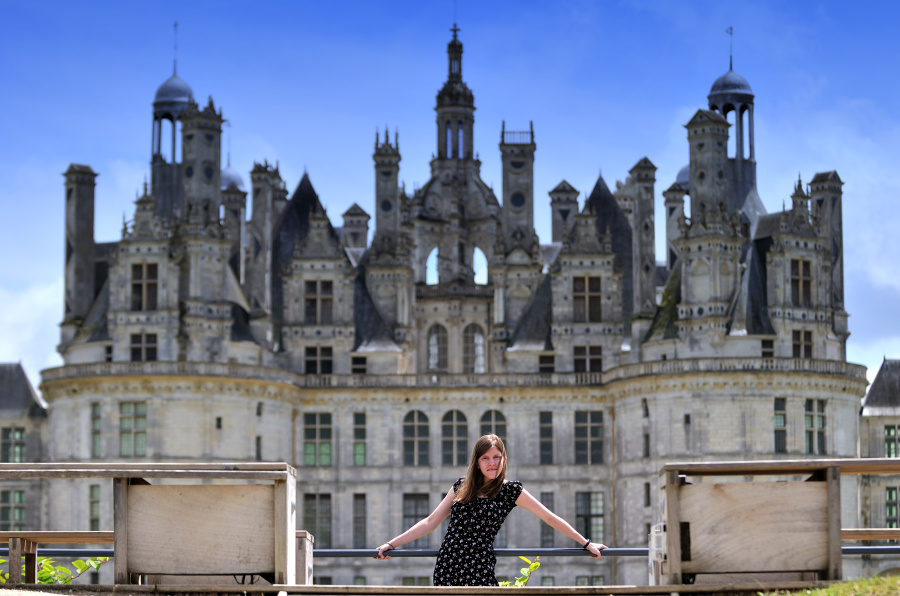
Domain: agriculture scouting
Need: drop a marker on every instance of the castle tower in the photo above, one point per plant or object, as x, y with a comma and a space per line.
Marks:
234, 203
643, 176
172, 99
708, 139
387, 195
731, 93
674, 206
202, 161
517, 156
80, 290
455, 108
563, 209
826, 195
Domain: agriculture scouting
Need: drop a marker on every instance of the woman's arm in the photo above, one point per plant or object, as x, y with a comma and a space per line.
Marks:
421, 527
529, 503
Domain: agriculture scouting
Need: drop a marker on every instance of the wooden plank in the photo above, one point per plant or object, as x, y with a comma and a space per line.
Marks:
786, 467
673, 527
284, 524
196, 530
870, 534
16, 546
743, 527
173, 474
59, 537
120, 530
835, 558
305, 542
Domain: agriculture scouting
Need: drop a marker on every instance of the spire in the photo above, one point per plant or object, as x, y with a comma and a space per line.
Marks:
730, 32
454, 53
175, 53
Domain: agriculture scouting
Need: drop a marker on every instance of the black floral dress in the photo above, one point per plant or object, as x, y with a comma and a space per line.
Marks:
466, 557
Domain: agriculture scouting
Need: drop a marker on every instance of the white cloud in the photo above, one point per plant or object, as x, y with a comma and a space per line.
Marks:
29, 326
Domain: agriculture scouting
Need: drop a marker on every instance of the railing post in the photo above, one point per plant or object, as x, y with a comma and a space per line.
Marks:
305, 542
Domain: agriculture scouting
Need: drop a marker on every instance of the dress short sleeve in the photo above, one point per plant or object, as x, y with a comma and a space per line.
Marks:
457, 484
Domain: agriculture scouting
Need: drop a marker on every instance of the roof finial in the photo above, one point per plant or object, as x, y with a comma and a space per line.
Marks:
455, 30
730, 32
175, 60
228, 141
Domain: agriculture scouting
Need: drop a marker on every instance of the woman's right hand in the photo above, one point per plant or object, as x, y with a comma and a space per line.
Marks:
383, 549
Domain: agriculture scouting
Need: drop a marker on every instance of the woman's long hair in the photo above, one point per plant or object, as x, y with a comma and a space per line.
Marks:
475, 483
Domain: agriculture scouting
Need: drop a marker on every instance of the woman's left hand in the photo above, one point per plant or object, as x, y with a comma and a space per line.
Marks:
594, 548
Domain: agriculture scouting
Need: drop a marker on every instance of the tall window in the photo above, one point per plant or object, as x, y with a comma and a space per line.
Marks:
586, 300
460, 141
359, 520
318, 360
588, 358
814, 423
802, 343
415, 439
891, 509
437, 349
589, 515
317, 439
780, 425
801, 283
646, 445
94, 507
359, 439
892, 440
454, 439
318, 301
133, 428
415, 507
588, 437
143, 347
317, 517
12, 445
12, 510
545, 436
647, 496
473, 349
96, 431
144, 286
547, 531
494, 422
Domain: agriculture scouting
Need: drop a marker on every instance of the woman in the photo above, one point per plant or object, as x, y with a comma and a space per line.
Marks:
477, 506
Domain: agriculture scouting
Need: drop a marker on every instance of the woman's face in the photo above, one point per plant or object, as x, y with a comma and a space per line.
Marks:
490, 463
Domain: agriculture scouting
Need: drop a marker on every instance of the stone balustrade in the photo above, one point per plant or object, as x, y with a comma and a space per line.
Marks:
620, 373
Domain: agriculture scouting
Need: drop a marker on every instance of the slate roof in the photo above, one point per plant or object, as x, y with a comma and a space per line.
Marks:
17, 396
533, 329
371, 331
609, 215
885, 389
831, 176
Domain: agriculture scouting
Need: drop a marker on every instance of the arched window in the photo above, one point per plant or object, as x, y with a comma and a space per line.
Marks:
494, 422
480, 267
473, 349
460, 149
431, 268
448, 132
437, 349
415, 439
454, 439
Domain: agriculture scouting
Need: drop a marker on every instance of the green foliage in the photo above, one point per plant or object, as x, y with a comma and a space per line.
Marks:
48, 572
526, 572
873, 586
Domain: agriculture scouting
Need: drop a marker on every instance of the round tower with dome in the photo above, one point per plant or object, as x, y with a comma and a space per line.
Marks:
172, 99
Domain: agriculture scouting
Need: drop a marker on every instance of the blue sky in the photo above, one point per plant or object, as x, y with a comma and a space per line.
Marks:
306, 85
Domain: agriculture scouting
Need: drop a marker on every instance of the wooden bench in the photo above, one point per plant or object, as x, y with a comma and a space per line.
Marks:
24, 544
732, 528
170, 529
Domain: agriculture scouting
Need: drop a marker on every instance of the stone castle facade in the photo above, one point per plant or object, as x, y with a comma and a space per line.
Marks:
208, 334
